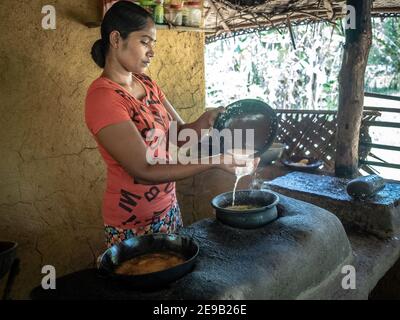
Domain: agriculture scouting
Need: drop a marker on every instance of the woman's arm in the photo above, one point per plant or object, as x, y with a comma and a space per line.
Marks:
125, 144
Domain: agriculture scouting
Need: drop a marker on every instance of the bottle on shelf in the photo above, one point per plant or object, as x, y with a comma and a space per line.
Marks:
148, 5
159, 12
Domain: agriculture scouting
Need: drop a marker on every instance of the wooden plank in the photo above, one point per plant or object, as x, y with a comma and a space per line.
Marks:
306, 111
381, 96
384, 124
380, 164
380, 146
382, 109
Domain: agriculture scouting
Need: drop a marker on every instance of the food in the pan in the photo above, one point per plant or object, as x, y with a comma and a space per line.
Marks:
302, 162
242, 207
150, 262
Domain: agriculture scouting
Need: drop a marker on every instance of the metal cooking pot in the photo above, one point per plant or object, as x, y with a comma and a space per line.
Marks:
145, 244
264, 200
247, 114
8, 253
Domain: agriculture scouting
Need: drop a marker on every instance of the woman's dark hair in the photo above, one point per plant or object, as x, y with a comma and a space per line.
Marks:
124, 17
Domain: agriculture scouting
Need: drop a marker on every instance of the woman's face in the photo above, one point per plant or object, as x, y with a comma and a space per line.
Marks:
137, 49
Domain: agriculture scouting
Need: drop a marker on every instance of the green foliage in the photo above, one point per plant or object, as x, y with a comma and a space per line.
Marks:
383, 71
265, 65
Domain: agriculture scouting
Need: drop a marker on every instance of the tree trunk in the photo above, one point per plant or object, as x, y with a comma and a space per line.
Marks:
351, 89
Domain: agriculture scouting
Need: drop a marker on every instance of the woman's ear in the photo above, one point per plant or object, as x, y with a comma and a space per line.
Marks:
115, 39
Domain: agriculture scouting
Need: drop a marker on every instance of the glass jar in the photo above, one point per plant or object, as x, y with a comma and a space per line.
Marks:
176, 15
194, 14
167, 14
185, 15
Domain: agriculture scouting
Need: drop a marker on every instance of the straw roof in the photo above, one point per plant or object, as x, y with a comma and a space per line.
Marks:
231, 16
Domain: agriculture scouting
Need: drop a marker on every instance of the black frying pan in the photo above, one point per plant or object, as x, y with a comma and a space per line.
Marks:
140, 245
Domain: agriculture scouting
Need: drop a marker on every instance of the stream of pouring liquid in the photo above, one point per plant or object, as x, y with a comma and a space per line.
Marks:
241, 171
234, 189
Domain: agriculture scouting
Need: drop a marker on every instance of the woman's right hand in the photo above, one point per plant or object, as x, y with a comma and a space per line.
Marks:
229, 164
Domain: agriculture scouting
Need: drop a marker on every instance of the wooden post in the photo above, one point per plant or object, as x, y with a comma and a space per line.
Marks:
351, 89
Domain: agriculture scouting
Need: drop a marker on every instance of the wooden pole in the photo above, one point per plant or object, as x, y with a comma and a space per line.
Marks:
351, 89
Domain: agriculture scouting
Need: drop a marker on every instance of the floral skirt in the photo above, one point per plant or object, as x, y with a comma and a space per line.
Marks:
171, 223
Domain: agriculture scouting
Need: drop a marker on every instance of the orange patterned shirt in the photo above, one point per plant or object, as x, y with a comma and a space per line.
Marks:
127, 204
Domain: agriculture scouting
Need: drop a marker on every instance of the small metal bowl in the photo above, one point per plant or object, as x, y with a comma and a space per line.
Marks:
264, 200
292, 163
273, 153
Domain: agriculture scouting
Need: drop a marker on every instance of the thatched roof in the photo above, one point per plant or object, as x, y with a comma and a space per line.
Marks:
228, 16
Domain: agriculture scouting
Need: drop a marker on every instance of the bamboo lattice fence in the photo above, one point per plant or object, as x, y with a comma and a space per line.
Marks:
311, 133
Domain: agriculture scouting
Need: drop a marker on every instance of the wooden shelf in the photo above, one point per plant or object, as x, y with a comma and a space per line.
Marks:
96, 24
181, 28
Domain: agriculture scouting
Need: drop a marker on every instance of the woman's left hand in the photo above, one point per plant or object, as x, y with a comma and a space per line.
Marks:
207, 119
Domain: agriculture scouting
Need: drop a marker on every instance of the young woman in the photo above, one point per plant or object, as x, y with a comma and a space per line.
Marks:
122, 105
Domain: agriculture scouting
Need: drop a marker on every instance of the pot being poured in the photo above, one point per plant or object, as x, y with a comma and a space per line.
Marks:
253, 208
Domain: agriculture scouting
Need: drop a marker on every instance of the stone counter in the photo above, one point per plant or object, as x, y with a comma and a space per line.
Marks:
298, 256
379, 215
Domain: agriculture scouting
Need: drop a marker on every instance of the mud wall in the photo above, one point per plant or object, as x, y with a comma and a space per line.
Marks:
51, 175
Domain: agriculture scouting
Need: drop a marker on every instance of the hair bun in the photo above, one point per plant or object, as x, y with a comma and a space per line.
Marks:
98, 53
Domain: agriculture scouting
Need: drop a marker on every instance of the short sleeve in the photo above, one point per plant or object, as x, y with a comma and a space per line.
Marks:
159, 92
104, 107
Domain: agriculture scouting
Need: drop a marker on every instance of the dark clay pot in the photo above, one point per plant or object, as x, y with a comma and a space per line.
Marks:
8, 252
264, 200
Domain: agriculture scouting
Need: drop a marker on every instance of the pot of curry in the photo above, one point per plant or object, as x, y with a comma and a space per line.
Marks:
149, 262
246, 209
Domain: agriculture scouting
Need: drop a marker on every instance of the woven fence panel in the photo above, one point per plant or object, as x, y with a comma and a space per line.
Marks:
310, 133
